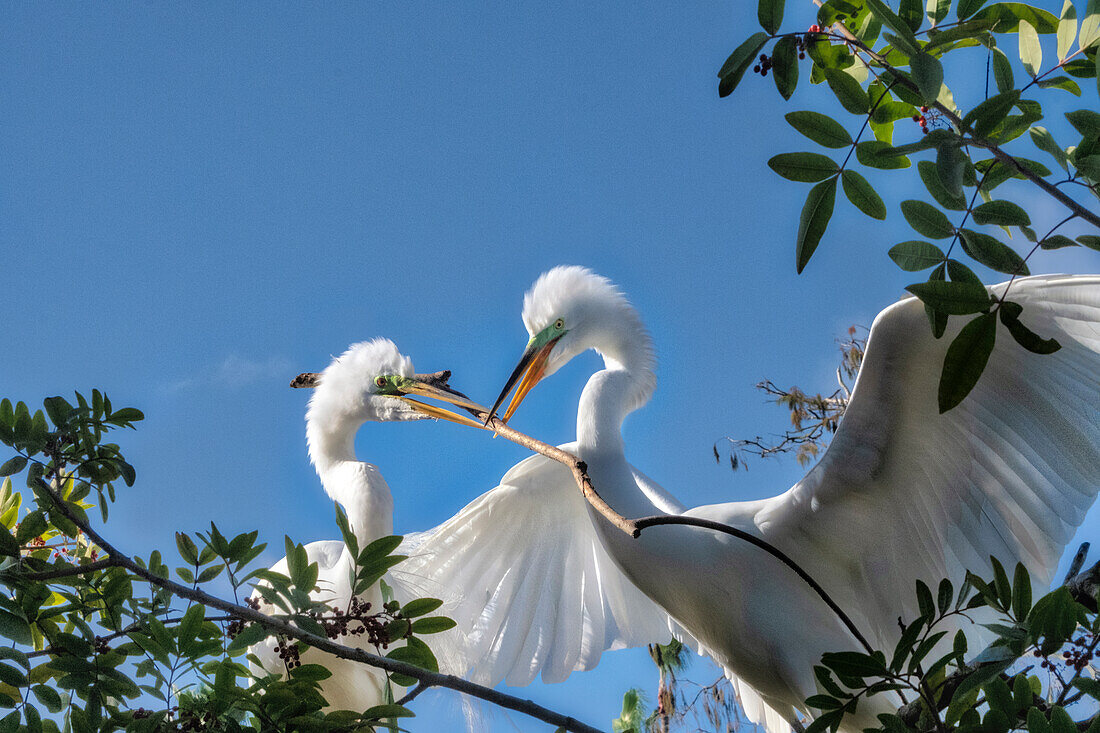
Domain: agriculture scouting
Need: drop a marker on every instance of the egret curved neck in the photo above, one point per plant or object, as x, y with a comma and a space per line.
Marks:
624, 384
358, 486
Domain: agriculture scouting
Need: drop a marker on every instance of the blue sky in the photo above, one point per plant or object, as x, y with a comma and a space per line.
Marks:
203, 200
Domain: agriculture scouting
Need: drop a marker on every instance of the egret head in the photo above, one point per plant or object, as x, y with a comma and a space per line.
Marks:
568, 310
373, 381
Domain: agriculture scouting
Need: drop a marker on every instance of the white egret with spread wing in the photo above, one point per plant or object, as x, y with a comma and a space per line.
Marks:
520, 569
902, 492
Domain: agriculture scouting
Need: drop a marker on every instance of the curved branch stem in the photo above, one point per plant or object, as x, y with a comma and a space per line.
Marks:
634, 527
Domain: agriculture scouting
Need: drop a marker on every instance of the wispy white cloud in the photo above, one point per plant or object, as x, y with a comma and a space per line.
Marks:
234, 372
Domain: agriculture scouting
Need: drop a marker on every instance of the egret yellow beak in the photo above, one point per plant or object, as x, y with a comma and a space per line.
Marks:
531, 367
441, 392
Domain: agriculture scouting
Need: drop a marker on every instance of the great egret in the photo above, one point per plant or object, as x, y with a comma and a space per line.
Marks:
902, 492
531, 589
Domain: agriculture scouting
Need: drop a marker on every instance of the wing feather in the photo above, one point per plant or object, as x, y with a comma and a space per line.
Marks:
525, 574
905, 493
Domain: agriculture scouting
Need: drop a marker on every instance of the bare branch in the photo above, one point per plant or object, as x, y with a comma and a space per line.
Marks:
425, 677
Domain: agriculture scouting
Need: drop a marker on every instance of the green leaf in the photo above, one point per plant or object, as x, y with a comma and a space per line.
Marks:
862, 195
738, 63
881, 155
987, 115
992, 253
911, 12
1031, 53
1085, 121
848, 91
1057, 241
432, 625
1045, 142
804, 167
9, 547
252, 634
931, 178
187, 549
937, 10
952, 298
390, 710
13, 627
820, 128
13, 466
905, 42
1002, 72
770, 15
785, 65
1089, 167
1061, 82
1021, 593
1090, 26
926, 219
968, 7
1000, 212
853, 664
916, 255
48, 697
1090, 240
960, 273
816, 213
966, 359
1007, 17
950, 164
928, 74
189, 627
420, 606
1025, 337
934, 139
1067, 29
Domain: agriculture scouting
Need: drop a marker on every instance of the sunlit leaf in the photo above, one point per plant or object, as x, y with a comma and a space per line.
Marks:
1067, 29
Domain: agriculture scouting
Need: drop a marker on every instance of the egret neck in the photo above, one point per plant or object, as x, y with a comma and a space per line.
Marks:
358, 486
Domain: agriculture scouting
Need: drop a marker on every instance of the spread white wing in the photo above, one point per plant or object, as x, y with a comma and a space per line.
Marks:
528, 581
905, 493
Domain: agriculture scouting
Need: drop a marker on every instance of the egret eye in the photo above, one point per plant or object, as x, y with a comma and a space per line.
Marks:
380, 381
559, 324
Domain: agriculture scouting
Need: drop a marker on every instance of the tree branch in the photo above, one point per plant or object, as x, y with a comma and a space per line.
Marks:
107, 562
426, 678
901, 78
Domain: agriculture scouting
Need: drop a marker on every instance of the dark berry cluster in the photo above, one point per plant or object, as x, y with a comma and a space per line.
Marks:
101, 646
287, 650
234, 627
1078, 657
762, 67
358, 621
